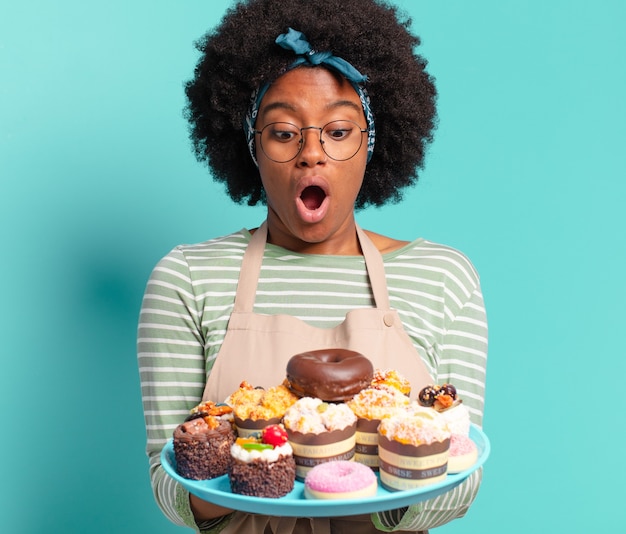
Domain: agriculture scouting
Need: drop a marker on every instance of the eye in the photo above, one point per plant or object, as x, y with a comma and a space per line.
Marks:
339, 130
339, 134
282, 132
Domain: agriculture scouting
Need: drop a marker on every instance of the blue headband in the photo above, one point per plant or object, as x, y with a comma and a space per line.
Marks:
297, 42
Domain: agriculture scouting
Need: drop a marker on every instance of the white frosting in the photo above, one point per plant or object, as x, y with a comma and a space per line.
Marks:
377, 403
267, 455
308, 416
458, 419
417, 426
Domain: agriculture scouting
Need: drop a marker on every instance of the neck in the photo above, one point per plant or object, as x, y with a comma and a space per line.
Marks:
315, 239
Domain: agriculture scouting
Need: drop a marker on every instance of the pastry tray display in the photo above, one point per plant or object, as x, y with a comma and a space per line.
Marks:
294, 504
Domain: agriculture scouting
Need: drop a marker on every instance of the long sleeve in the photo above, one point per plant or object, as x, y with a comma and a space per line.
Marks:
172, 371
462, 362
187, 306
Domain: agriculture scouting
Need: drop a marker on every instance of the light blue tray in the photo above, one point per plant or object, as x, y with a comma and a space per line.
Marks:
294, 504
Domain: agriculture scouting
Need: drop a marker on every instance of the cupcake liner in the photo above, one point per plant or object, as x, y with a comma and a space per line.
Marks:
405, 466
310, 450
366, 446
253, 428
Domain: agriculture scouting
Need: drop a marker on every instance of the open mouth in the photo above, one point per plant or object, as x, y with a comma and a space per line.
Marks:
312, 197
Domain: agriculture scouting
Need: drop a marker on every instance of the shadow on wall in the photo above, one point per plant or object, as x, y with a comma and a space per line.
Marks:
90, 474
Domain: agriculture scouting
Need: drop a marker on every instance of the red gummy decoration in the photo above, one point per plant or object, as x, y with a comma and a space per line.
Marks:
274, 435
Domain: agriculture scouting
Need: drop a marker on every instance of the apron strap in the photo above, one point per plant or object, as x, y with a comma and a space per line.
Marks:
250, 270
375, 270
253, 258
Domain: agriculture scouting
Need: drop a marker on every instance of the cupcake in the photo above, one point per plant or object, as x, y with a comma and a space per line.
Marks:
202, 447
319, 432
262, 467
221, 411
391, 378
371, 406
413, 449
256, 408
444, 399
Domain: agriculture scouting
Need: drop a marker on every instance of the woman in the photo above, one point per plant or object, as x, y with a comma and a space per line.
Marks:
336, 114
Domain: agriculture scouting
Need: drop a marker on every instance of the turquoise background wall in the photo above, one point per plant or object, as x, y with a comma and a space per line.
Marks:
98, 181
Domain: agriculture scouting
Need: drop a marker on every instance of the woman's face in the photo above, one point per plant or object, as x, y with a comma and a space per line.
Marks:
311, 198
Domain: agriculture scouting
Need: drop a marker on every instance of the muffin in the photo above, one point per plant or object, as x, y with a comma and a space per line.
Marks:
445, 400
221, 411
256, 408
319, 432
262, 467
413, 449
202, 447
391, 378
371, 406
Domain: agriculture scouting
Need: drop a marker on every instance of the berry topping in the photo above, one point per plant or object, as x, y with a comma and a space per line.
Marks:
274, 435
439, 397
427, 395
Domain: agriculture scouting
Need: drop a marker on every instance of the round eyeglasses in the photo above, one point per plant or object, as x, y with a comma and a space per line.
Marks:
282, 141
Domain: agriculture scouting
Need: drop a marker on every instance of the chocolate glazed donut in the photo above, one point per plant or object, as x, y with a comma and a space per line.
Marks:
329, 374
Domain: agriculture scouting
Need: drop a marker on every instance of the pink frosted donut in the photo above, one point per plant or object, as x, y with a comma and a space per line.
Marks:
462, 454
342, 479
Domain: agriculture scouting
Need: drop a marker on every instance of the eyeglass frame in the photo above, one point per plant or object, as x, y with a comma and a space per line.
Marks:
301, 141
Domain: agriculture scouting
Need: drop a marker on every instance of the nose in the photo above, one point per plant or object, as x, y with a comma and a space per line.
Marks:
311, 152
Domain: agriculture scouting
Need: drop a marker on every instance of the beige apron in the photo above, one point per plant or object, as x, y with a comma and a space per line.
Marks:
257, 348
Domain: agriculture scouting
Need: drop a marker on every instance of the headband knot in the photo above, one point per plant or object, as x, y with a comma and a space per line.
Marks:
296, 41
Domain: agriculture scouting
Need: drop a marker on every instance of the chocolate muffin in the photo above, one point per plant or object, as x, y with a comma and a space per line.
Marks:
202, 447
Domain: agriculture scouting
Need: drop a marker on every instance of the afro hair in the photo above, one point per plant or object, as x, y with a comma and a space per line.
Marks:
240, 54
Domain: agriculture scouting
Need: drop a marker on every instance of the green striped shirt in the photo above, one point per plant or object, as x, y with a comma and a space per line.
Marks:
189, 298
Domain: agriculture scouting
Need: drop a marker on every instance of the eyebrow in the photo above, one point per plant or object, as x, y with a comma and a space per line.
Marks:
332, 106
278, 105
345, 103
